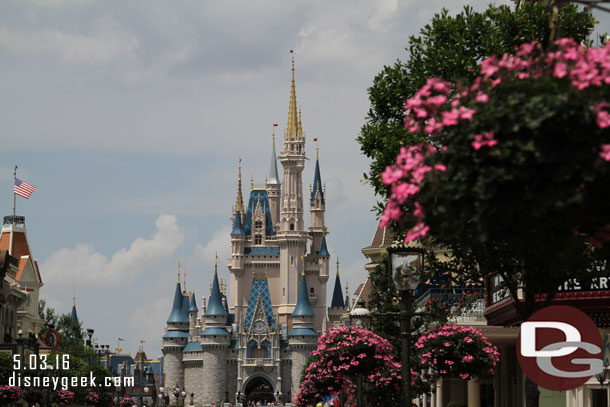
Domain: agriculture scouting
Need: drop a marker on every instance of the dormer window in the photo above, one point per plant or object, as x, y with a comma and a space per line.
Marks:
258, 239
258, 224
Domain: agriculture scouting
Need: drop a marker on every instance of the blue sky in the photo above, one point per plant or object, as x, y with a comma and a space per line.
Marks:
130, 117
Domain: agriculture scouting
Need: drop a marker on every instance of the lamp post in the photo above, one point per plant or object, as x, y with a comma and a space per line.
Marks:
183, 394
162, 396
405, 263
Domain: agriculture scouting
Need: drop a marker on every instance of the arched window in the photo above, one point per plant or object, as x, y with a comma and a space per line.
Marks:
292, 226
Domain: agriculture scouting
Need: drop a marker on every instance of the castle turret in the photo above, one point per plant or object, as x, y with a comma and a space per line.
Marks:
317, 208
337, 305
175, 338
291, 237
215, 340
274, 187
73, 314
193, 317
302, 338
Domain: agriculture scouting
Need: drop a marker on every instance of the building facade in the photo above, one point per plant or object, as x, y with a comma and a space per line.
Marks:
256, 332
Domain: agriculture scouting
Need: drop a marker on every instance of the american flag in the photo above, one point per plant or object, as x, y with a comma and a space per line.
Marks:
23, 189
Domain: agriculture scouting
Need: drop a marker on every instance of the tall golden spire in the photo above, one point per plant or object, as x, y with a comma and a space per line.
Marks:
239, 203
293, 120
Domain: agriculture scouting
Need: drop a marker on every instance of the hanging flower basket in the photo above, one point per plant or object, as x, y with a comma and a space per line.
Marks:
456, 351
347, 356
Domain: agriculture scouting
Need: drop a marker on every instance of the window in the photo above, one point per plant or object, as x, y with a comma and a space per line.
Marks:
292, 226
258, 239
284, 291
258, 224
311, 290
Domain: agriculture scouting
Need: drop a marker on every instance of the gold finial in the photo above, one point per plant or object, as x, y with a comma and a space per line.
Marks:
273, 134
179, 267
74, 301
251, 182
347, 296
317, 150
300, 125
239, 204
303, 258
337, 266
184, 282
292, 128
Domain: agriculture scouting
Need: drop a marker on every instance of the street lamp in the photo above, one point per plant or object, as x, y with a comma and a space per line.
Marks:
359, 316
405, 263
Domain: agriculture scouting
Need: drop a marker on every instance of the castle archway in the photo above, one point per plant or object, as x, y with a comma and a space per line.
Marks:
260, 389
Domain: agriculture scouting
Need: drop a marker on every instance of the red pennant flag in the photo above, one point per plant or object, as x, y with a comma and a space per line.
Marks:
315, 139
274, 124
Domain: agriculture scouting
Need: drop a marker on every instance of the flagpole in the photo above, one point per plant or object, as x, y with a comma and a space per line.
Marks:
14, 196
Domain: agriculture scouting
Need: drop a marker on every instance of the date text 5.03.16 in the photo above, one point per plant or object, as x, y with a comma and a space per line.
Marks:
41, 362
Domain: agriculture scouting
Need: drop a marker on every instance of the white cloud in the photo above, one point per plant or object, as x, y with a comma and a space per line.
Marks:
219, 242
108, 41
384, 13
83, 265
147, 322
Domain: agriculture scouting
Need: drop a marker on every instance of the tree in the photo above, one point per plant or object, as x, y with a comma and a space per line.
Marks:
451, 47
515, 171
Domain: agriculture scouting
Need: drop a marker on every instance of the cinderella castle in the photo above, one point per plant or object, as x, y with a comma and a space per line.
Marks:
253, 344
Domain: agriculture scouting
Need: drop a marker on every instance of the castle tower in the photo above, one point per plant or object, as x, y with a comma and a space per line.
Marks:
302, 338
337, 305
317, 208
238, 241
291, 237
215, 341
274, 187
175, 338
193, 317
13, 238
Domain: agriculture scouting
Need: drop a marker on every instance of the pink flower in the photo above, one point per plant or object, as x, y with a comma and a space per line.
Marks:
605, 153
603, 119
482, 140
561, 70
417, 231
482, 97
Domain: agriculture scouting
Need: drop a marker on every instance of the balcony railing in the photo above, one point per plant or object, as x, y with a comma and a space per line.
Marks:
258, 362
467, 304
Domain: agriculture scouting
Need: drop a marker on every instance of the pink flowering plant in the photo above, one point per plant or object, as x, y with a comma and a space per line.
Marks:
345, 356
514, 172
127, 402
455, 351
92, 398
63, 397
9, 394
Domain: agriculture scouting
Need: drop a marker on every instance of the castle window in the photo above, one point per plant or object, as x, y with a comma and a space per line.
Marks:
291, 260
292, 226
311, 290
258, 224
258, 239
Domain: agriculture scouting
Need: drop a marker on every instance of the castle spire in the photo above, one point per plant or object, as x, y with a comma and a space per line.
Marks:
337, 301
215, 306
239, 202
317, 180
273, 178
292, 130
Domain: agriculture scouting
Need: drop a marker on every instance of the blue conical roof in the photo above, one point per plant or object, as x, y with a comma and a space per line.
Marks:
215, 306
73, 314
317, 184
303, 307
323, 252
193, 306
237, 228
337, 301
177, 315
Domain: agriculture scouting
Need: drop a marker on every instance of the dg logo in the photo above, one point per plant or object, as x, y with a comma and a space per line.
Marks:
559, 348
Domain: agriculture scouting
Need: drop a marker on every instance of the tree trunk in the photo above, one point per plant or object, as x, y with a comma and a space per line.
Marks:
531, 393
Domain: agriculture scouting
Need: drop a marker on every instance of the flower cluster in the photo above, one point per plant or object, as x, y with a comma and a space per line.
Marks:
63, 397
127, 402
344, 354
92, 398
452, 350
9, 394
440, 107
